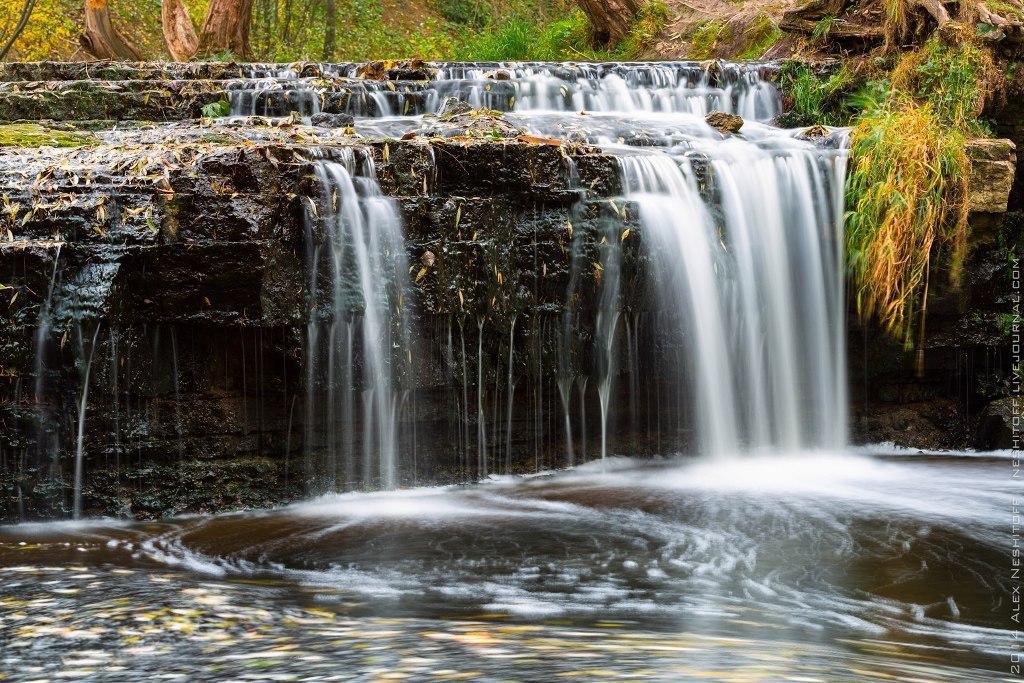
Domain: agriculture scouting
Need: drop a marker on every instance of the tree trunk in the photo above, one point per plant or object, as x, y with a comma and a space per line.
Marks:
610, 18
226, 28
101, 39
179, 33
331, 19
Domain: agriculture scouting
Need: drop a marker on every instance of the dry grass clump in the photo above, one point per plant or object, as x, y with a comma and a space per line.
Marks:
907, 188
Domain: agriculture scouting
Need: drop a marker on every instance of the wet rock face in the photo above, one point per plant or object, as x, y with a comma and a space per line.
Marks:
967, 358
999, 422
171, 261
174, 265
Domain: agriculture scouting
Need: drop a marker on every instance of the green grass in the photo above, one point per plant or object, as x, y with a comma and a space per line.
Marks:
645, 29
759, 36
823, 28
906, 191
826, 99
906, 196
517, 39
706, 37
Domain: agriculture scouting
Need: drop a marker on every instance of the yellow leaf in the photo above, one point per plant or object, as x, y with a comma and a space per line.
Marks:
419, 275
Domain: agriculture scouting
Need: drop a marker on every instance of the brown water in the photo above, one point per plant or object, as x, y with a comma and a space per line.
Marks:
807, 567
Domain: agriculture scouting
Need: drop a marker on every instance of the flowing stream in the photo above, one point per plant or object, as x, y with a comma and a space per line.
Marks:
780, 553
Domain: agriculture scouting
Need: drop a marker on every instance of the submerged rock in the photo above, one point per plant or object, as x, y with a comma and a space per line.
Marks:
472, 123
453, 106
332, 120
724, 123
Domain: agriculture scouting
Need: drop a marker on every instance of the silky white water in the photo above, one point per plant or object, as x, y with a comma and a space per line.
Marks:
357, 279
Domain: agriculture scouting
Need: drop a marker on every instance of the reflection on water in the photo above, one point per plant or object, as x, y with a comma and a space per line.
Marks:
819, 567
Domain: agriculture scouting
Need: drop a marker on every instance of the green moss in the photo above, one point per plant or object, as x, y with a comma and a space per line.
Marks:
35, 135
649, 23
1006, 10
759, 36
706, 38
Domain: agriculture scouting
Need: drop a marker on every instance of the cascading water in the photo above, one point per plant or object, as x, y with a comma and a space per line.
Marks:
743, 232
692, 275
357, 337
756, 293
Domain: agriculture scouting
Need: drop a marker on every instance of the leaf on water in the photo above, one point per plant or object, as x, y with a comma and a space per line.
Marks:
458, 216
625, 234
568, 226
312, 206
419, 275
535, 140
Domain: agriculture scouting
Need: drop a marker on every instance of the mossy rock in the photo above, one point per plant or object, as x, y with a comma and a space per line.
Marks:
35, 135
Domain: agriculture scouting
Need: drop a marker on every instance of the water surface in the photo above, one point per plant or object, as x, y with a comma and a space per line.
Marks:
821, 566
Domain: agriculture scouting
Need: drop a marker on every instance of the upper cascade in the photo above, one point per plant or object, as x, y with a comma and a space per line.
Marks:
744, 88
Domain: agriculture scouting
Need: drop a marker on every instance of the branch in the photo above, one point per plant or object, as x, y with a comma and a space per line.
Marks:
934, 8
26, 12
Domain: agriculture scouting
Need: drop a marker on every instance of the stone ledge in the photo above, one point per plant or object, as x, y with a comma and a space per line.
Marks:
993, 164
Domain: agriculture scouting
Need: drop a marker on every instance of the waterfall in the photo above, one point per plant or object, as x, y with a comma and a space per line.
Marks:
357, 338
697, 305
754, 289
